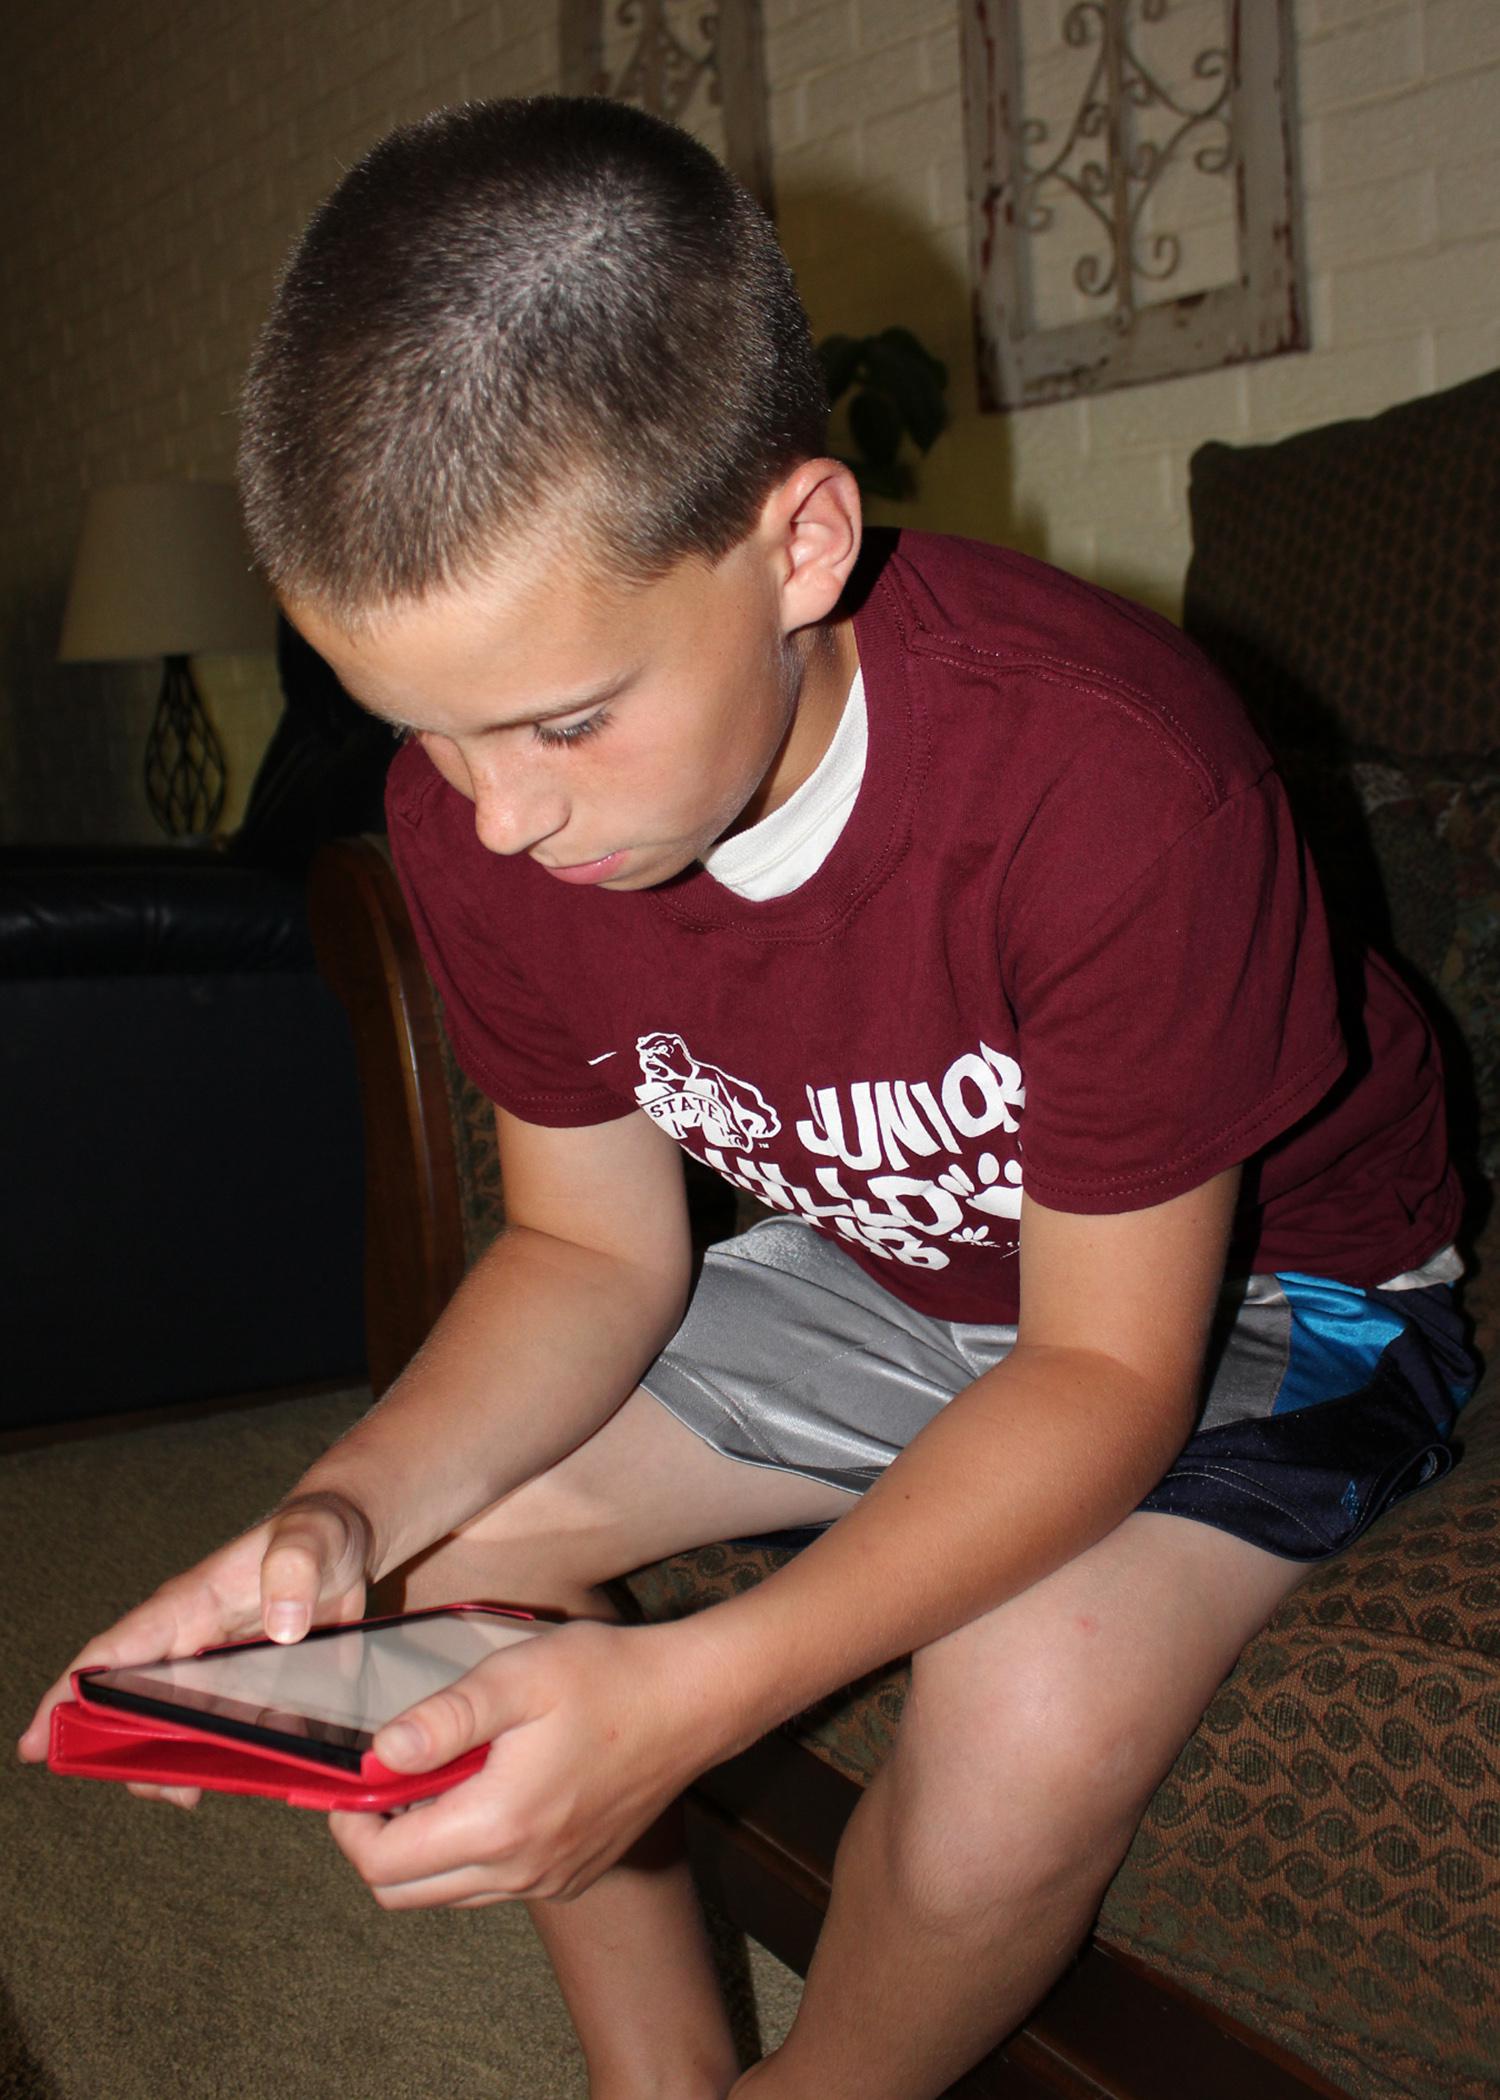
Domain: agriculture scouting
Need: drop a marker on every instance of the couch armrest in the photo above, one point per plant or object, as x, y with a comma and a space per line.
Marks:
414, 1245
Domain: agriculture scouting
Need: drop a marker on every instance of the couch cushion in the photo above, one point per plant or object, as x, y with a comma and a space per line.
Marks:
1408, 854
476, 1147
1324, 1860
1345, 577
1460, 799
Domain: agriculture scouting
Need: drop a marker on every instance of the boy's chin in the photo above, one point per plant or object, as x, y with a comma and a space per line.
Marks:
670, 868
654, 870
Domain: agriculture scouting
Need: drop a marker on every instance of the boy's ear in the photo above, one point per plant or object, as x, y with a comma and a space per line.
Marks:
811, 525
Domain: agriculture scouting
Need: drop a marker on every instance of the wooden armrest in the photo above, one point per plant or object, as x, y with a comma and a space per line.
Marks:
414, 1251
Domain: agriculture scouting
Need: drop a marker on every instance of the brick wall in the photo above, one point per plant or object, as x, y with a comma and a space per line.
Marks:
1401, 173
158, 159
156, 162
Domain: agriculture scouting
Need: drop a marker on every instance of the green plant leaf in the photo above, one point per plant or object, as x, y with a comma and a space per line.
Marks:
909, 382
875, 425
839, 356
909, 345
898, 393
926, 416
896, 480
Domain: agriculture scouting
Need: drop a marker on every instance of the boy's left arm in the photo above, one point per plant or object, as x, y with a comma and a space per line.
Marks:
1022, 1471
1031, 1464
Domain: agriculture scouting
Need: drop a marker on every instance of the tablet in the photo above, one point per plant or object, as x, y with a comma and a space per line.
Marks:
323, 1698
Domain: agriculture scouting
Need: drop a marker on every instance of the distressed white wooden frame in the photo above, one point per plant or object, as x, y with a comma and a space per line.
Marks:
1257, 314
724, 39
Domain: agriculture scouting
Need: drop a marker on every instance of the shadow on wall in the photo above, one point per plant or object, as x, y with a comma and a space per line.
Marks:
864, 263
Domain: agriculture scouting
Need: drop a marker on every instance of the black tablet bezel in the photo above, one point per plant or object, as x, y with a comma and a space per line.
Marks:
334, 1743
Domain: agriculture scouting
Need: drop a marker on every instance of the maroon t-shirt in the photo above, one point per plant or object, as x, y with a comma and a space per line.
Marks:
1067, 937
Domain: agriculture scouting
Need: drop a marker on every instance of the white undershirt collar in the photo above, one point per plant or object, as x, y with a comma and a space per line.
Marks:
778, 854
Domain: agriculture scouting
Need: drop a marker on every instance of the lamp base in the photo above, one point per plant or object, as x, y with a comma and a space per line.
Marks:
184, 758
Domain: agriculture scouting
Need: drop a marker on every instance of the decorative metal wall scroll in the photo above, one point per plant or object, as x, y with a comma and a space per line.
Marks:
701, 64
1132, 177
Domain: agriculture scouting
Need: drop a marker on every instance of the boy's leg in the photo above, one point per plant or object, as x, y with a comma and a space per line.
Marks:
630, 1954
640, 1487
1031, 1743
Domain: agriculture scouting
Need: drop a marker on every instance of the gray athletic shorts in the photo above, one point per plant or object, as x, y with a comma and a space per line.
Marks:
1323, 1403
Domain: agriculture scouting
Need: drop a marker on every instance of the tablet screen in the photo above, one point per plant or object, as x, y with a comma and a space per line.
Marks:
324, 1697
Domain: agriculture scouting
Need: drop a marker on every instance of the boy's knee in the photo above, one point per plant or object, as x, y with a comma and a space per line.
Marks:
1036, 1803
962, 1872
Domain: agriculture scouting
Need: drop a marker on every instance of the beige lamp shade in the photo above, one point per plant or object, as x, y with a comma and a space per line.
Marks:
163, 569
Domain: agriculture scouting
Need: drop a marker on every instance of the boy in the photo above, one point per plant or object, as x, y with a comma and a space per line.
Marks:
853, 877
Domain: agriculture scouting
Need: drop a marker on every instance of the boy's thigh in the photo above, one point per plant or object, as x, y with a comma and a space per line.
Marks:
1048, 1723
641, 1487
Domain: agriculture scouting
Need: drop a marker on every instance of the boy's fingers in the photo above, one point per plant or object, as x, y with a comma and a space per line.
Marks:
154, 1629
291, 1577
474, 1710
316, 1550
32, 1747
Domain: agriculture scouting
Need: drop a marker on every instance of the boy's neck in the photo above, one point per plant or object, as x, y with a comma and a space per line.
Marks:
831, 664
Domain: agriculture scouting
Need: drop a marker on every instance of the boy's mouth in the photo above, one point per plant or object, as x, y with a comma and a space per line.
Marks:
588, 870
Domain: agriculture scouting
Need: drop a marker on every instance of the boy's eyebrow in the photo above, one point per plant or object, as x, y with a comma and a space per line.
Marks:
597, 697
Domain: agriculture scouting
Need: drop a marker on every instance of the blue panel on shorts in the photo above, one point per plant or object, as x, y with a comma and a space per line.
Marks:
1339, 1334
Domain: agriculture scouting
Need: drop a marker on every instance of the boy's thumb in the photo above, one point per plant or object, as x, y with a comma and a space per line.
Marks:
473, 1710
317, 1547
291, 1577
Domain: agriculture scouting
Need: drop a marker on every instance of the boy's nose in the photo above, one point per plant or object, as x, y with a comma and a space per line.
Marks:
508, 819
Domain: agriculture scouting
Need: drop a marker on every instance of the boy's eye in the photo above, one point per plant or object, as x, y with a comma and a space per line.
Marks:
570, 732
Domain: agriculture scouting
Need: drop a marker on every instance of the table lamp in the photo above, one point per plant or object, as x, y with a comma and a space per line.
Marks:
163, 569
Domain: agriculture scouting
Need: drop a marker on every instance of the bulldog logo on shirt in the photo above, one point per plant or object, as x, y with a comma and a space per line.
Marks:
682, 1093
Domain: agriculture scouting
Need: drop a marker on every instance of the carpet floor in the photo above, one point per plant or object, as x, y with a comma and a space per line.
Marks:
230, 1954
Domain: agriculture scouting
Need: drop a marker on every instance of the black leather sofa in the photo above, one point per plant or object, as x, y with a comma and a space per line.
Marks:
181, 1207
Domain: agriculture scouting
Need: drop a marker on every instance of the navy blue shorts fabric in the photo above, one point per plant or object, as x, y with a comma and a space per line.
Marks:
1323, 1403
1364, 1411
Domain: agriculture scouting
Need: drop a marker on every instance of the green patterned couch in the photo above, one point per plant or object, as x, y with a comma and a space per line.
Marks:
1312, 1905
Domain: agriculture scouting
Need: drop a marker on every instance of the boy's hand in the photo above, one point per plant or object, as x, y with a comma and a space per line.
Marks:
315, 1565
308, 1560
596, 1729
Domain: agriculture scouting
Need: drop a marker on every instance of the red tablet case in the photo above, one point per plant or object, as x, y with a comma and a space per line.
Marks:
88, 1742
97, 1742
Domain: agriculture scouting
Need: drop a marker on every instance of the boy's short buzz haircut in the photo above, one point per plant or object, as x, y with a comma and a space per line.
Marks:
520, 315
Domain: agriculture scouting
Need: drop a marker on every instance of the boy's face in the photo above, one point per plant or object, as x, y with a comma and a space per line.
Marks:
611, 731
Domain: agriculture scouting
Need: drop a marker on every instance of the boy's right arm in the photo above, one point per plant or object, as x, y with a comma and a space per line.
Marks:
548, 1334
546, 1337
